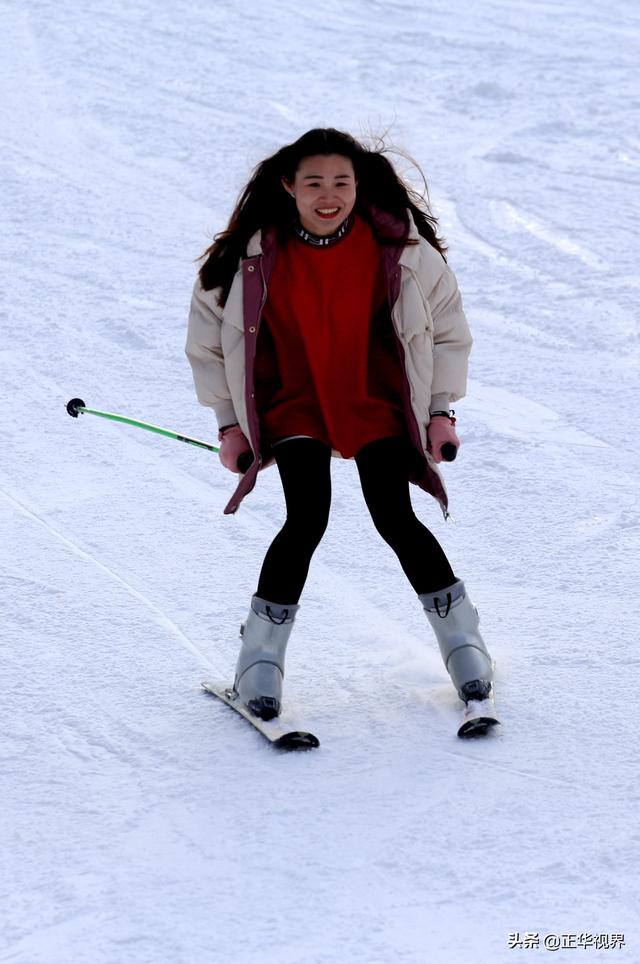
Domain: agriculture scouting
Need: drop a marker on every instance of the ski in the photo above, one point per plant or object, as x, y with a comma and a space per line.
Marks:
478, 717
272, 730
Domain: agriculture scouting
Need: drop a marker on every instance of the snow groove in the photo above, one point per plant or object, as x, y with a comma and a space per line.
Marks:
160, 616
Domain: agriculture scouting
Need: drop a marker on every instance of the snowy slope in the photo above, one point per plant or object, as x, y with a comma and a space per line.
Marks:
141, 822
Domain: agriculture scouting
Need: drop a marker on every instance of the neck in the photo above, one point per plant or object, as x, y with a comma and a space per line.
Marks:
323, 240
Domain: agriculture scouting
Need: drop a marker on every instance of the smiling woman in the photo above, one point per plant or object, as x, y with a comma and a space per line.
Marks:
325, 321
324, 189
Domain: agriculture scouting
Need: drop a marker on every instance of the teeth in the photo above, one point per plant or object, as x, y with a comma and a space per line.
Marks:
327, 210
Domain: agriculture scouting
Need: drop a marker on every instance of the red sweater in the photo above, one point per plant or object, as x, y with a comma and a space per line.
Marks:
327, 363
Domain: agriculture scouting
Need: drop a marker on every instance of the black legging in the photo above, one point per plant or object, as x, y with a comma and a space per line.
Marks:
383, 465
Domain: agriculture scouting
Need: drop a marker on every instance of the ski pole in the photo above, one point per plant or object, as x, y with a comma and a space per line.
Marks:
76, 407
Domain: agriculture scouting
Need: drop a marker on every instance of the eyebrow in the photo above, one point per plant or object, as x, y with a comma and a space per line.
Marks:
337, 177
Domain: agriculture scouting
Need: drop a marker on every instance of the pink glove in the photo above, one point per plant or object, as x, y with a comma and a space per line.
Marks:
441, 429
234, 444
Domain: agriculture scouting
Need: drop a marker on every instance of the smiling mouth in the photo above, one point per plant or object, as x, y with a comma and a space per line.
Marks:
327, 213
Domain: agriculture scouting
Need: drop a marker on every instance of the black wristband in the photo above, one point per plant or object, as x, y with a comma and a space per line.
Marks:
446, 414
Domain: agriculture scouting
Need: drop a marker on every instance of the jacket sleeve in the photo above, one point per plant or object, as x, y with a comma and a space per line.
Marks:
451, 341
204, 351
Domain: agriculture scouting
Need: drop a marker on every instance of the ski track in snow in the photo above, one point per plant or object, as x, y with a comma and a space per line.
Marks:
138, 596
141, 821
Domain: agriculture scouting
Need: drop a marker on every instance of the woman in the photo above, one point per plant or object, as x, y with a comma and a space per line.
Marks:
325, 321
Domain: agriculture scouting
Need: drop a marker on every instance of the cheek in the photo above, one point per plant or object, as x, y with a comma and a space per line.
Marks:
304, 200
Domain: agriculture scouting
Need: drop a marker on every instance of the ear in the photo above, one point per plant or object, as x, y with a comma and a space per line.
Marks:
288, 186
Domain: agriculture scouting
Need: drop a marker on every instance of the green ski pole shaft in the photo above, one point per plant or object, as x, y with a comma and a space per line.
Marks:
76, 407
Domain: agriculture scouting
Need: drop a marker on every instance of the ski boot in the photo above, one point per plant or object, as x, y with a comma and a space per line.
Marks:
260, 666
455, 622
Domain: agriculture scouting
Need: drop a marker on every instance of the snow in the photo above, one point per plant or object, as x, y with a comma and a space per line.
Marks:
142, 822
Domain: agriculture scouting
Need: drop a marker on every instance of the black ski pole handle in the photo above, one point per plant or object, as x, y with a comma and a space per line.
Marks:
245, 461
448, 452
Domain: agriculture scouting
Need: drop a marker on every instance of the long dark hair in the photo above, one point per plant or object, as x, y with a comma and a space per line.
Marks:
264, 203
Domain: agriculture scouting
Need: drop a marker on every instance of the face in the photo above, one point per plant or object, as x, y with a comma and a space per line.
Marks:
325, 192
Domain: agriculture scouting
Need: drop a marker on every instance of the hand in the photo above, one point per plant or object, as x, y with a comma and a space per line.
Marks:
440, 432
233, 445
